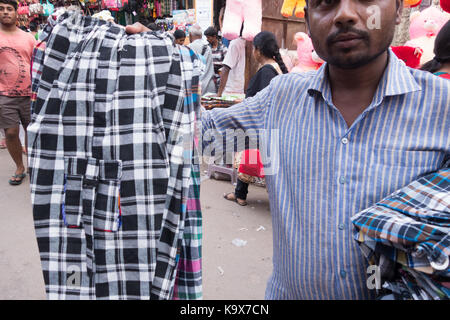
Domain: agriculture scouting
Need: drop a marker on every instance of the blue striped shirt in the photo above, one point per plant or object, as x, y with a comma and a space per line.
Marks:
329, 172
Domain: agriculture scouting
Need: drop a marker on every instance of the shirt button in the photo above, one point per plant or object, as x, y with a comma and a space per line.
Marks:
342, 180
341, 226
343, 274
344, 141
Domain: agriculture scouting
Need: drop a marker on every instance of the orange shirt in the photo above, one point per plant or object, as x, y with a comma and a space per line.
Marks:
16, 50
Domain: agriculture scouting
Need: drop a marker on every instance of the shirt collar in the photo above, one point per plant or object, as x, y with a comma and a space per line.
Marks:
397, 80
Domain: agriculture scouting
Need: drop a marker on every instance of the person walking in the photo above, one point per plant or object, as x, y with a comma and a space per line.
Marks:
202, 49
267, 53
16, 48
232, 76
219, 51
180, 37
344, 137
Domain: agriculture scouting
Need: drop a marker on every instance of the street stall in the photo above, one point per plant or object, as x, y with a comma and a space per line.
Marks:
124, 12
209, 102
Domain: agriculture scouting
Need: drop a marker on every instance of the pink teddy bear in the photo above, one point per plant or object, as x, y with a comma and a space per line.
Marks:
425, 25
307, 57
237, 12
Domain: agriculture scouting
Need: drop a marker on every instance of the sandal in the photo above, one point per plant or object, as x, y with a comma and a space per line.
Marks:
17, 176
240, 202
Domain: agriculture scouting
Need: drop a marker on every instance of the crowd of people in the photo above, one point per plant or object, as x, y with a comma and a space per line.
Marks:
329, 121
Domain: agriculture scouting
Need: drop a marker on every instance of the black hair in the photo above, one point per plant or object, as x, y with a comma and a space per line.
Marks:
10, 2
144, 21
441, 50
153, 26
178, 34
33, 26
211, 32
266, 43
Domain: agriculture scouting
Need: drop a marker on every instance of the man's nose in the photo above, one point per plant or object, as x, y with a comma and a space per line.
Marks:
347, 13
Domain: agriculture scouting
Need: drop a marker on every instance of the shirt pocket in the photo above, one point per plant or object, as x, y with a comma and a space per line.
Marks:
92, 193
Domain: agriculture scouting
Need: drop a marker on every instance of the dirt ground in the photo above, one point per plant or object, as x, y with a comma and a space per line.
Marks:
229, 272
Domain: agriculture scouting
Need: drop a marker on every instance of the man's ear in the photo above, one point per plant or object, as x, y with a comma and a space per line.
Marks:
306, 20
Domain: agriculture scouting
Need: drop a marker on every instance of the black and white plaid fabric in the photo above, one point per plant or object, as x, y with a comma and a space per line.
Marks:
110, 152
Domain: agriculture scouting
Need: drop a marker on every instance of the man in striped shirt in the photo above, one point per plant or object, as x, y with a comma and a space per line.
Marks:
348, 135
219, 51
340, 139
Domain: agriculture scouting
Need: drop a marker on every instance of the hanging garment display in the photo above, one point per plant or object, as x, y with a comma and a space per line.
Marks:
23, 9
48, 8
36, 8
113, 173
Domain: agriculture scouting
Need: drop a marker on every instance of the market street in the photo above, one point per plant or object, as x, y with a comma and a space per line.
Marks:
229, 272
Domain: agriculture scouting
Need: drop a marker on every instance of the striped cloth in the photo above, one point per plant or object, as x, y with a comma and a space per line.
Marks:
188, 285
321, 172
411, 226
110, 156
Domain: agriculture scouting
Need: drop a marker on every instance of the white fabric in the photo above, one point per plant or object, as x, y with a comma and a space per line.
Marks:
235, 59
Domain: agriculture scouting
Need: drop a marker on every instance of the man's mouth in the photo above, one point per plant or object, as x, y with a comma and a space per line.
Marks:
347, 40
347, 37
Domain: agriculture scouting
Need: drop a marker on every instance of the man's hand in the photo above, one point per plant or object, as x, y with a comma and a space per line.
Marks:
136, 28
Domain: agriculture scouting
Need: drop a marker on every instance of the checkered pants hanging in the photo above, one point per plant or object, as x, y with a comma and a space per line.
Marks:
111, 158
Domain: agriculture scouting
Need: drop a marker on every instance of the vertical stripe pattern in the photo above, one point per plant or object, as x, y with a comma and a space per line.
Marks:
328, 172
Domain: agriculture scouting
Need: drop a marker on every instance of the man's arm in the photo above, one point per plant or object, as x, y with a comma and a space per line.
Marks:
136, 28
221, 126
223, 79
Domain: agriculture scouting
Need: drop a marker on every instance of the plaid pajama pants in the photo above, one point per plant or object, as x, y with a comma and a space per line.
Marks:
111, 159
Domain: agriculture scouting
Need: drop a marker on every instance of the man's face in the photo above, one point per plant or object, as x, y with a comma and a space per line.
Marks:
211, 39
180, 41
351, 33
8, 15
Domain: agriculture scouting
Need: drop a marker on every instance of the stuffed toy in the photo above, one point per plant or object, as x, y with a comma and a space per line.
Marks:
238, 12
307, 57
424, 27
411, 3
410, 55
445, 5
290, 5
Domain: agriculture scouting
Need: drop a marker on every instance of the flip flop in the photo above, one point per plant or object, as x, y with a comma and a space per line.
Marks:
243, 203
17, 182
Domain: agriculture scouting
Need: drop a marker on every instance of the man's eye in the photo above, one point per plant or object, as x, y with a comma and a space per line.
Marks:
325, 3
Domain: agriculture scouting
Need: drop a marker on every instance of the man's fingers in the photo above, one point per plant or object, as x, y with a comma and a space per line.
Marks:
136, 28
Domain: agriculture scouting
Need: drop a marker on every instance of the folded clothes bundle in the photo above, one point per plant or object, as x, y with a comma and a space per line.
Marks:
407, 235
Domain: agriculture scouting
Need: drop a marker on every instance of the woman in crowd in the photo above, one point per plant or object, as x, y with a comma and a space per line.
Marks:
440, 65
267, 53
